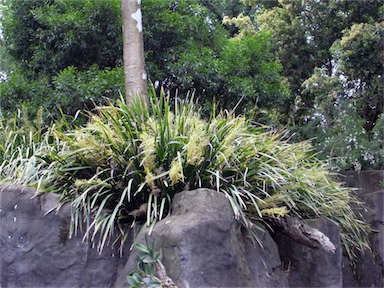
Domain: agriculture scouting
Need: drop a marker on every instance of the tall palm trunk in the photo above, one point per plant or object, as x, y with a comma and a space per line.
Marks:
133, 45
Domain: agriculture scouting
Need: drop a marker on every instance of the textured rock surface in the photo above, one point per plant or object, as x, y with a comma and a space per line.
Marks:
200, 242
370, 267
307, 267
35, 250
264, 261
202, 246
367, 181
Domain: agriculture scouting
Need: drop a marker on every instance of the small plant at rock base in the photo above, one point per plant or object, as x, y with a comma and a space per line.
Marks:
150, 271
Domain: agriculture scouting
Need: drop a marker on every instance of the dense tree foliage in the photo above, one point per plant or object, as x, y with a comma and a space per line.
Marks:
304, 31
194, 53
186, 48
331, 53
347, 115
361, 57
48, 36
60, 53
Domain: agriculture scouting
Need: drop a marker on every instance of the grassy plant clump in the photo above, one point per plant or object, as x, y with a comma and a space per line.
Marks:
127, 163
20, 139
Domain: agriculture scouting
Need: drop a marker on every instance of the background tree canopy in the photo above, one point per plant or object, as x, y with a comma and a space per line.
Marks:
332, 57
314, 67
186, 47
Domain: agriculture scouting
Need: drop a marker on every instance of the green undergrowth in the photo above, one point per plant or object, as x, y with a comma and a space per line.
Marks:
126, 164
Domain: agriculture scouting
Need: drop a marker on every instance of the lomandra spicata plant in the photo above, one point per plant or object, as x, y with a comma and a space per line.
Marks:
127, 163
20, 139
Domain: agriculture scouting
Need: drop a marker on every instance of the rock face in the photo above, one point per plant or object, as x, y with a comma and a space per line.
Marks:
35, 250
307, 267
201, 242
202, 224
264, 261
370, 267
202, 246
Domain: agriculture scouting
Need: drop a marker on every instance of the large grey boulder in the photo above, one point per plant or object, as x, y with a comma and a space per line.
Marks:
203, 246
307, 267
35, 250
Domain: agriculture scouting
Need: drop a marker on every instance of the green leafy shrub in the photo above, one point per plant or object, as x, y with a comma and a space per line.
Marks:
76, 90
67, 92
127, 163
48, 36
338, 127
20, 91
346, 145
350, 147
242, 73
148, 266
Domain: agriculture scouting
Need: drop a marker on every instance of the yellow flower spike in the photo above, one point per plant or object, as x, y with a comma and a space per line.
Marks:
148, 146
171, 118
230, 139
275, 212
85, 183
175, 173
152, 127
197, 142
149, 179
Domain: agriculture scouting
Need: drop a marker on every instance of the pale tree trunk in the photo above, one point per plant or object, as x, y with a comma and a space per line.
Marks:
133, 51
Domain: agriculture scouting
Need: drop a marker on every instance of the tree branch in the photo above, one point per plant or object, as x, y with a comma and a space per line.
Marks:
302, 233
